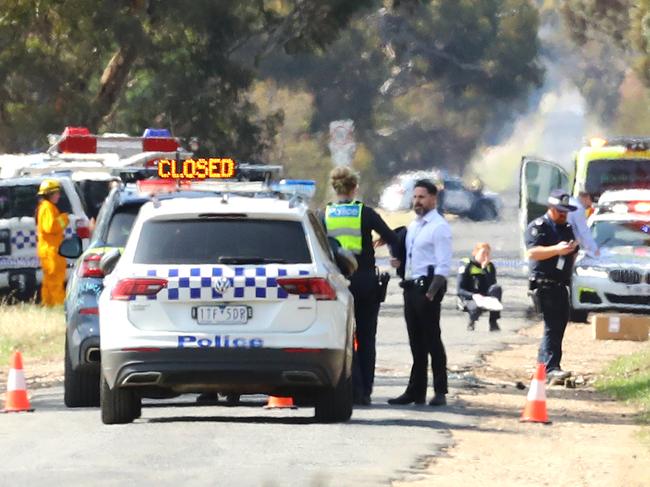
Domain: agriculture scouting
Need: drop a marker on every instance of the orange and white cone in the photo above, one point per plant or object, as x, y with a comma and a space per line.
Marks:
16, 400
276, 402
535, 410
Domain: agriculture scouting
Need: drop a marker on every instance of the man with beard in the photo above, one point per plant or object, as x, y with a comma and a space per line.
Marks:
551, 249
426, 260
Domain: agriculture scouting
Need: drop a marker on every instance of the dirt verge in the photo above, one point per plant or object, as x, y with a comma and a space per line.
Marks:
592, 440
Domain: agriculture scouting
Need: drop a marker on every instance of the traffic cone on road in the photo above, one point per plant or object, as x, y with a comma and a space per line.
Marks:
535, 410
276, 402
16, 400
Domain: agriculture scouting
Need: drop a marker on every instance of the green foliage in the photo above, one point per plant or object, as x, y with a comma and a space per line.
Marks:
127, 64
628, 379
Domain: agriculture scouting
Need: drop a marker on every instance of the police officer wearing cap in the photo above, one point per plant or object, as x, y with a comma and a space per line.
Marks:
425, 260
351, 223
551, 250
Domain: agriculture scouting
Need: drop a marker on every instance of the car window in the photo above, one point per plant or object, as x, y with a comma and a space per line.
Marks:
228, 241
20, 201
321, 235
620, 234
93, 194
453, 185
120, 225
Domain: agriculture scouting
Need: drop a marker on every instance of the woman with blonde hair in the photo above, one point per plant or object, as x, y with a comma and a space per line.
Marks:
477, 275
351, 223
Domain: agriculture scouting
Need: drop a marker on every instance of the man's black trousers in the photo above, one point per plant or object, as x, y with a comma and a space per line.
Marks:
423, 325
554, 301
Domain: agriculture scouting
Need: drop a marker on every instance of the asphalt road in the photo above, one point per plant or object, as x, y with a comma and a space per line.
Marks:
178, 443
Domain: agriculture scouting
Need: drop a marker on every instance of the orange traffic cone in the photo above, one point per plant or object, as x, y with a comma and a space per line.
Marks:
276, 402
17, 399
535, 410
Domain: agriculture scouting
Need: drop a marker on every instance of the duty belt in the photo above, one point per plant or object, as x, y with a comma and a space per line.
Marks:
420, 282
549, 282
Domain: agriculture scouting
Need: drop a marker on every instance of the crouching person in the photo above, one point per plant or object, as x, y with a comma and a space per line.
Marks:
478, 275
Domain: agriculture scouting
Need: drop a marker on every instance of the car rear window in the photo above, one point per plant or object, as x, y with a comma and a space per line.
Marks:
227, 241
93, 194
20, 201
120, 225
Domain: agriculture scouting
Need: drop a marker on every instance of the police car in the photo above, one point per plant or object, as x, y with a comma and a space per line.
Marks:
618, 279
20, 272
233, 294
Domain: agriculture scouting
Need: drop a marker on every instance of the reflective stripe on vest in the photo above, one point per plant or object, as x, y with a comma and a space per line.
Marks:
343, 222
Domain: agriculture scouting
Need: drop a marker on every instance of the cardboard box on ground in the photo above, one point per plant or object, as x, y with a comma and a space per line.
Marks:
620, 327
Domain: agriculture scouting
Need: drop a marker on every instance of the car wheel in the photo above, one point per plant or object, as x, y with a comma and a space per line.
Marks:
578, 315
118, 406
334, 405
80, 387
482, 211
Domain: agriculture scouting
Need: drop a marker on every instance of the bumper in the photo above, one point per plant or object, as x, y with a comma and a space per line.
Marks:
601, 294
243, 371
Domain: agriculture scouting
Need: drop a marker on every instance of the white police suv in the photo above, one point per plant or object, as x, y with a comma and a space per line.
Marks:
618, 279
234, 294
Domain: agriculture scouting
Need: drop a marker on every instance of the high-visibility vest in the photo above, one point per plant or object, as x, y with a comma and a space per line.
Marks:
474, 270
343, 222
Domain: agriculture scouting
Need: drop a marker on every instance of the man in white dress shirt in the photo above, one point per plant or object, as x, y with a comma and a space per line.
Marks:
427, 259
578, 221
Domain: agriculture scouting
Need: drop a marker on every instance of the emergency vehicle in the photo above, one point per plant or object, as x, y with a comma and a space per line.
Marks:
261, 305
603, 164
85, 164
619, 278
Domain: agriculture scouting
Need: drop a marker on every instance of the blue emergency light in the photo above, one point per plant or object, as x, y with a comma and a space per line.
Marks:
152, 132
299, 187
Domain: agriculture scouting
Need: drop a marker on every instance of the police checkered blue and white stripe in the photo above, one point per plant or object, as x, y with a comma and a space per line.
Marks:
21, 239
207, 283
26, 239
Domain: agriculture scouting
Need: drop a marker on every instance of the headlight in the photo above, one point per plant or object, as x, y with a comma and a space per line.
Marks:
591, 272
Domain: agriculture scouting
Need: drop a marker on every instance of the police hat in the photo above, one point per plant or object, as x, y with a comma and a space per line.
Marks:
560, 200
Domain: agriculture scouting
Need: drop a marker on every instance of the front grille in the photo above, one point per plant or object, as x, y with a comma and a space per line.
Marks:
626, 276
618, 299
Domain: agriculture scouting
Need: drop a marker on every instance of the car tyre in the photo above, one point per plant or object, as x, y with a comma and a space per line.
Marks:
334, 405
483, 211
80, 387
118, 405
578, 315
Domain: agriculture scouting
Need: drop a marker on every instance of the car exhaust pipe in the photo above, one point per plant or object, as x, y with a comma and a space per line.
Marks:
300, 377
93, 355
142, 378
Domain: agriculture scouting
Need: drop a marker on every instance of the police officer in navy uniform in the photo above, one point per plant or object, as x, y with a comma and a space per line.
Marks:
424, 262
551, 250
351, 223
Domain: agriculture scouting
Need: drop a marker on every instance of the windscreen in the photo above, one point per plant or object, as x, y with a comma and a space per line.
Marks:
225, 241
120, 226
20, 201
606, 174
620, 234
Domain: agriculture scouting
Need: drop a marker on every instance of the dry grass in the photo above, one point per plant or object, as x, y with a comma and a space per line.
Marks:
36, 331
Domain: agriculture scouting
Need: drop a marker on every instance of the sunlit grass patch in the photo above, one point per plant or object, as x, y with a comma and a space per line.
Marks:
628, 379
36, 331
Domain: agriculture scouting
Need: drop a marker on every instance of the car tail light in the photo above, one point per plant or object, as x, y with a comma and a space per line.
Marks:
128, 288
318, 287
89, 311
90, 266
82, 229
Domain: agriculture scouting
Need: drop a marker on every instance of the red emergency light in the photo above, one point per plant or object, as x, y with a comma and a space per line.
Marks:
77, 140
154, 186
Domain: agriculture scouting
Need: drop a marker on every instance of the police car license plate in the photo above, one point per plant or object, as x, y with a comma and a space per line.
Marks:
227, 314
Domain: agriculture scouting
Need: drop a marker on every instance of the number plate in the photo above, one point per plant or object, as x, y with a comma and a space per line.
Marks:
222, 315
644, 291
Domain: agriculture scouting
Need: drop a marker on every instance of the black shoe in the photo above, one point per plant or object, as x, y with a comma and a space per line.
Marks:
438, 400
208, 398
470, 326
405, 399
494, 326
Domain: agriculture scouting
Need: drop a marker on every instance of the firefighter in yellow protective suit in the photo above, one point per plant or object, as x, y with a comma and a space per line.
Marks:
50, 225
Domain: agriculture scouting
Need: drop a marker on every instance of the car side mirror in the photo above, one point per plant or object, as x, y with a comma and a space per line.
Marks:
109, 260
71, 247
345, 259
